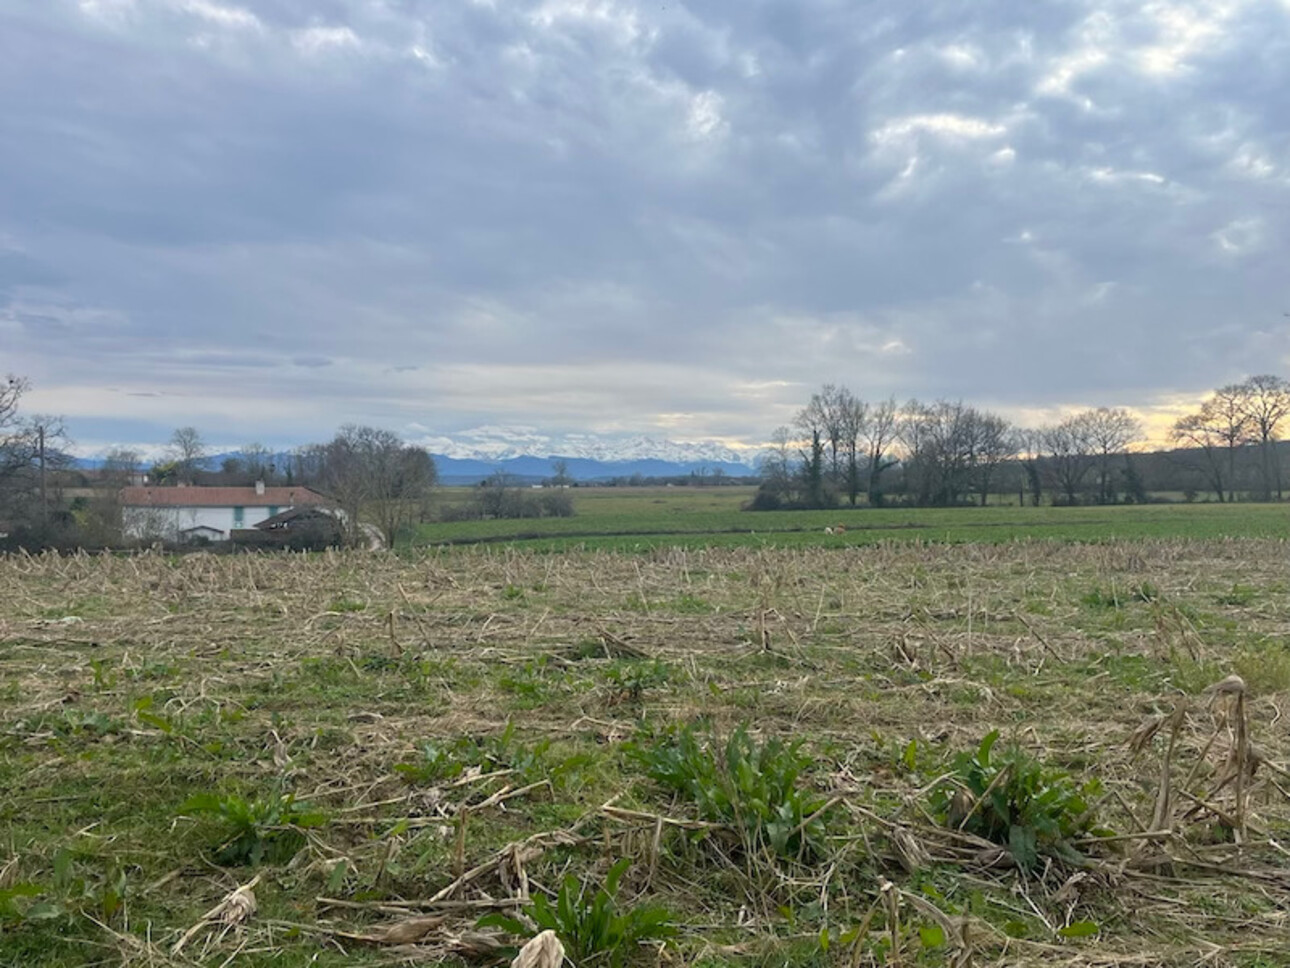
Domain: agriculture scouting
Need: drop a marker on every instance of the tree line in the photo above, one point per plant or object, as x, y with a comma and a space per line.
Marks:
843, 449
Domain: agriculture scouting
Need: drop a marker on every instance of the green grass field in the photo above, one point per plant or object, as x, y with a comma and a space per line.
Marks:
629, 518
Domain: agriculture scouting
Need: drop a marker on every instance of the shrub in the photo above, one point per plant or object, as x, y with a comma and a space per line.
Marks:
749, 786
556, 504
590, 925
1014, 800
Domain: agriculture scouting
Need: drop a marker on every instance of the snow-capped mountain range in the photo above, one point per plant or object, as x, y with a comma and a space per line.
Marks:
527, 454
506, 443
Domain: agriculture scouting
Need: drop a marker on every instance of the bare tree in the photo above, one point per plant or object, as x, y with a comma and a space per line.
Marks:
879, 433
11, 390
1266, 401
560, 476
30, 448
934, 455
776, 469
811, 421
11, 430
373, 475
854, 416
1067, 457
1218, 431
1109, 432
257, 461
120, 465
993, 443
1029, 446
952, 449
828, 413
188, 451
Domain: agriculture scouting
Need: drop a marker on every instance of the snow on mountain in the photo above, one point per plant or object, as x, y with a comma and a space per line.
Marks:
505, 443
495, 444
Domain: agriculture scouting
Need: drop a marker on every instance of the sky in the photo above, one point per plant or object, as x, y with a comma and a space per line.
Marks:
268, 218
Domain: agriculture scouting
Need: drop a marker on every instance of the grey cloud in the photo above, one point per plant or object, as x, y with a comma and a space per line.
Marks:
779, 190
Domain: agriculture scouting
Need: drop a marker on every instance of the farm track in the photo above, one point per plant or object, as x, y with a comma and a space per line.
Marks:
133, 684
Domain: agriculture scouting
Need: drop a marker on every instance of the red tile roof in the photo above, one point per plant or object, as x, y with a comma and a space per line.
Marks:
218, 497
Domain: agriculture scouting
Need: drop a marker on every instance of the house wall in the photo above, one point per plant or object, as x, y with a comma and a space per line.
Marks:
168, 522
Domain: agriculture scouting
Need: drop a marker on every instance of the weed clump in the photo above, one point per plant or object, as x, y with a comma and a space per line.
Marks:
749, 785
263, 829
528, 763
590, 924
1014, 800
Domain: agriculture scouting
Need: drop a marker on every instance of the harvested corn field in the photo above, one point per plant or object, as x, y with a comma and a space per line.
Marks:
892, 754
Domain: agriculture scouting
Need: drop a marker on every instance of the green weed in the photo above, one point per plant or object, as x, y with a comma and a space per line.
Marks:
253, 831
1265, 669
527, 762
1099, 597
751, 786
629, 678
347, 605
591, 925
1239, 596
1014, 800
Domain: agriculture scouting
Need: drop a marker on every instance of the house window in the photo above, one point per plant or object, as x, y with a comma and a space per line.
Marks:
238, 517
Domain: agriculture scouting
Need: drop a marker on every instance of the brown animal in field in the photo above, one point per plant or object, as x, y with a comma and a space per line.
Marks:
839, 529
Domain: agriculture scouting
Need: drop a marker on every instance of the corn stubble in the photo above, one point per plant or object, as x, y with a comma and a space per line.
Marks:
684, 756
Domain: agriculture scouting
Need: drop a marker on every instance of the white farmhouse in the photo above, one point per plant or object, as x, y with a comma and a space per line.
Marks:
186, 513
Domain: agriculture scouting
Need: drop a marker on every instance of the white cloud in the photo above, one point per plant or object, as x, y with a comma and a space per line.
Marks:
223, 16
1183, 32
108, 11
1240, 236
953, 126
318, 40
705, 120
1112, 176
962, 56
1251, 161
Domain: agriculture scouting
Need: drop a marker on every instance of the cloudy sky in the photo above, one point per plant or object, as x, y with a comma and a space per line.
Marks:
270, 217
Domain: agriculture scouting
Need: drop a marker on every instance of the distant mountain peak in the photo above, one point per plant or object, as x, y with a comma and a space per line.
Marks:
506, 443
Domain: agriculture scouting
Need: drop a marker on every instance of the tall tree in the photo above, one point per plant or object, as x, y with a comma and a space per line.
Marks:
879, 433
1108, 432
188, 453
855, 415
257, 461
30, 447
1067, 456
993, 444
1217, 432
1029, 446
121, 464
813, 488
1266, 401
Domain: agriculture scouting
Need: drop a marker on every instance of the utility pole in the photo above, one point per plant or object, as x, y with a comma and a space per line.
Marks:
44, 503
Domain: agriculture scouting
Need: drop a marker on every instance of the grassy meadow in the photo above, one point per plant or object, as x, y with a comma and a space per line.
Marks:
978, 752
649, 517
